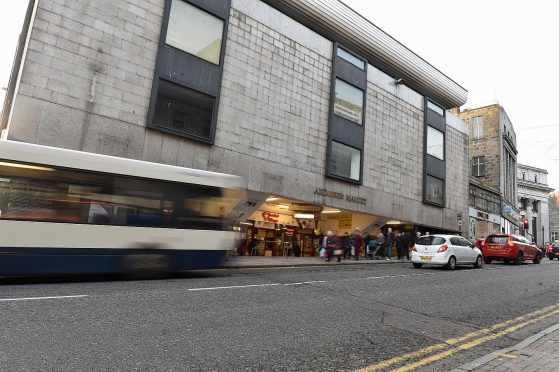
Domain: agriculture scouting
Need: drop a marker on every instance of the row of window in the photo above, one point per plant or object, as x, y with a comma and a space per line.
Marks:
189, 112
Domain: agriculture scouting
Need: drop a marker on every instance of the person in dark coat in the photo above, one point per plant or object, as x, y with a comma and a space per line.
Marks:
402, 246
357, 243
389, 240
346, 245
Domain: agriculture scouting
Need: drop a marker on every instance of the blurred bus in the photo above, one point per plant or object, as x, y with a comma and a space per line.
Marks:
72, 212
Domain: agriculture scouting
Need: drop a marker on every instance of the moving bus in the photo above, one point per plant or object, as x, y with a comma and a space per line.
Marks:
71, 212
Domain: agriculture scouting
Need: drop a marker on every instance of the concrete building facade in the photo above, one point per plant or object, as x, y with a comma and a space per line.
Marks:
314, 117
492, 156
533, 202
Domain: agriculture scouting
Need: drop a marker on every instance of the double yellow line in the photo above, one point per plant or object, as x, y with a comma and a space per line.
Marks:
454, 345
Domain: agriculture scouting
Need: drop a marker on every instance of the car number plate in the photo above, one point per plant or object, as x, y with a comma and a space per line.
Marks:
426, 258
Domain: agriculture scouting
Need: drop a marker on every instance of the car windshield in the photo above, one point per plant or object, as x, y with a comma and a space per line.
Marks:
497, 239
430, 240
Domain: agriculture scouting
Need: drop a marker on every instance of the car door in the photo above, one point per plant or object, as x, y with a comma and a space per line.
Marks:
458, 249
469, 251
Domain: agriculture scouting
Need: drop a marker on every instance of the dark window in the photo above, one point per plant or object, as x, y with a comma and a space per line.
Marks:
345, 161
435, 190
357, 62
183, 110
535, 178
478, 166
535, 206
430, 240
455, 241
48, 194
523, 175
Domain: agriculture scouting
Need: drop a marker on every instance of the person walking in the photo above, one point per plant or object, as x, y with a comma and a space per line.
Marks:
401, 245
380, 244
325, 240
389, 241
357, 243
346, 245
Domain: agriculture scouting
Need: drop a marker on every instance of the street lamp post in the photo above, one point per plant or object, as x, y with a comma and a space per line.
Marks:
543, 235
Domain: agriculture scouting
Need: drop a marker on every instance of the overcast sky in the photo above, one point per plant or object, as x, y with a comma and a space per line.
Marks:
499, 50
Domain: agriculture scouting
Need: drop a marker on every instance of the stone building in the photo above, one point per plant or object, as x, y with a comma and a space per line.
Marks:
553, 205
533, 202
493, 162
333, 127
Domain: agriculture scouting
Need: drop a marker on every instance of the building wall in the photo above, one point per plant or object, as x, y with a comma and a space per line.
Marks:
87, 81
554, 214
488, 146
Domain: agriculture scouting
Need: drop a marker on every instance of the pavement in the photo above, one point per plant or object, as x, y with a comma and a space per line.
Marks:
260, 261
536, 353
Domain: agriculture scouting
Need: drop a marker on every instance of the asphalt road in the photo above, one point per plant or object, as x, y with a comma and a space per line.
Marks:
298, 319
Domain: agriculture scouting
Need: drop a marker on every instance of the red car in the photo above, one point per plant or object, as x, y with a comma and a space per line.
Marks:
508, 247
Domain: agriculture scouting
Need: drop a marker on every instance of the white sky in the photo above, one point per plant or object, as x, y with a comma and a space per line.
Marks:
499, 50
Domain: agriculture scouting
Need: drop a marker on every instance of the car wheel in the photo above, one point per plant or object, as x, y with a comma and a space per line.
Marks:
478, 263
417, 265
451, 265
519, 259
538, 259
487, 260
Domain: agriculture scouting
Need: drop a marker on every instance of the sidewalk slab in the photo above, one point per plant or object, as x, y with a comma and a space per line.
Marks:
527, 355
239, 262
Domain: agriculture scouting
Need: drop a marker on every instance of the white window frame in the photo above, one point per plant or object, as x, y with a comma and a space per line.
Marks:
478, 127
478, 165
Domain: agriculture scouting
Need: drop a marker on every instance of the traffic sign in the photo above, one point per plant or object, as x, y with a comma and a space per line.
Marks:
460, 223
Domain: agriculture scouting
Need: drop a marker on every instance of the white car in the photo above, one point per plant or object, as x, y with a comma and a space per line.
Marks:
445, 250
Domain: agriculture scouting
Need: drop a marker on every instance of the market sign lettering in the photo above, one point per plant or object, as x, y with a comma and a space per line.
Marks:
341, 196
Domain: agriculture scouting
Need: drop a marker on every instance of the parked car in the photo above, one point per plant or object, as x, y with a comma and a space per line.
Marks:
445, 250
553, 250
509, 247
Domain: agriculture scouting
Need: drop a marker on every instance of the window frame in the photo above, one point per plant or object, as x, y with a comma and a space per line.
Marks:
478, 166
435, 202
363, 98
430, 127
348, 60
339, 176
223, 32
478, 127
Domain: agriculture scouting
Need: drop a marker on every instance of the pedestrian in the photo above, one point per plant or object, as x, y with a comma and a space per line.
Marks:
417, 236
389, 241
333, 247
380, 244
346, 245
371, 247
326, 254
296, 249
357, 243
401, 245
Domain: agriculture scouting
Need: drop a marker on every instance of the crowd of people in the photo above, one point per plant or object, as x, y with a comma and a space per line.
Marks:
373, 247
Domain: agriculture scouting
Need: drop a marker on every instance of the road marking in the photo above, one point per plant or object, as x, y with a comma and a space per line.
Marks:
504, 355
454, 341
40, 298
472, 344
256, 285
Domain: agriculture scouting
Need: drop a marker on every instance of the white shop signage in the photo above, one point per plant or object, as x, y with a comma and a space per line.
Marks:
481, 215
